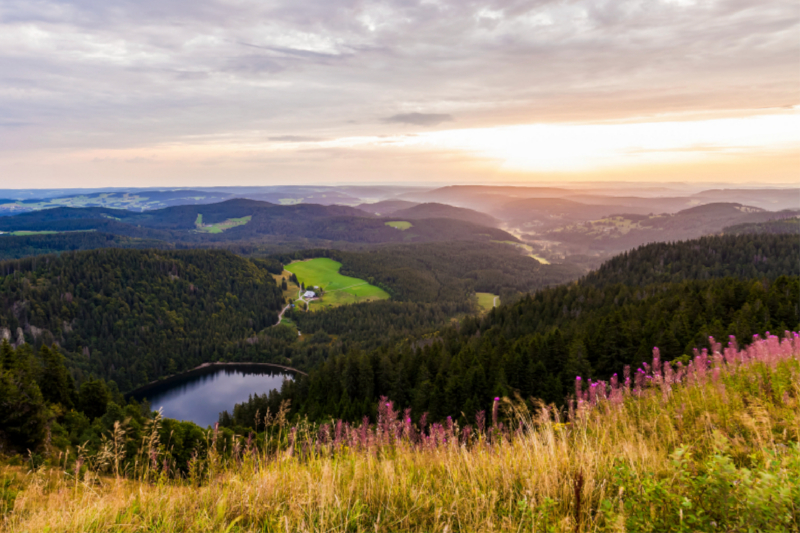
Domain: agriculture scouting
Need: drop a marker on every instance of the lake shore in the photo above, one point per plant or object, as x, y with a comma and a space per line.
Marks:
137, 392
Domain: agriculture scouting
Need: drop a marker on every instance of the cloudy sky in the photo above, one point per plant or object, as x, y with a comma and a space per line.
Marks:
201, 92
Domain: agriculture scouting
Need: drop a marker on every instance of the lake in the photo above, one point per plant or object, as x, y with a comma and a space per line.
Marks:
202, 394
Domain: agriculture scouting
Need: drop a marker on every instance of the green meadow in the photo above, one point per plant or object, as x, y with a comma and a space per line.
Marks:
487, 300
221, 226
402, 225
28, 233
338, 289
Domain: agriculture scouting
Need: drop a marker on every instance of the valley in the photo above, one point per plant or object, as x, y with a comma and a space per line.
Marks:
445, 318
393, 266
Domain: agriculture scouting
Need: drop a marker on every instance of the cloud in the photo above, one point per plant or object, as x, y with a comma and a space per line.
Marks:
93, 75
295, 139
419, 119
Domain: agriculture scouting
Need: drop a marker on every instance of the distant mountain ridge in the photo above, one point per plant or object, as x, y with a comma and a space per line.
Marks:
436, 210
626, 231
386, 207
186, 224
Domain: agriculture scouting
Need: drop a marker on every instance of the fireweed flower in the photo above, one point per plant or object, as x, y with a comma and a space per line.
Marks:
769, 350
394, 429
656, 362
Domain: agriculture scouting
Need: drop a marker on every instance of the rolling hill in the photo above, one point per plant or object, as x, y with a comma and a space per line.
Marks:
386, 207
549, 212
622, 232
436, 210
267, 222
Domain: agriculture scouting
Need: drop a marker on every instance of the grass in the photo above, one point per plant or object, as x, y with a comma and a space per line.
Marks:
220, 226
338, 289
487, 300
26, 233
717, 451
291, 287
402, 225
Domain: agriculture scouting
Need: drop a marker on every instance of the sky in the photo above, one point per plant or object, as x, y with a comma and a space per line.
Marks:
160, 93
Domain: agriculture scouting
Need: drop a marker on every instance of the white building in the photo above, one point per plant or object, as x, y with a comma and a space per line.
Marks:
309, 294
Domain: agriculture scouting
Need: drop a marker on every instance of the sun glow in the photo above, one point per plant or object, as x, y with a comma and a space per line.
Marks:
722, 149
550, 147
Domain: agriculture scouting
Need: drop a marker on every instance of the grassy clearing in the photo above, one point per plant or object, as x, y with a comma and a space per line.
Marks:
291, 287
717, 451
402, 225
487, 300
338, 289
27, 233
221, 226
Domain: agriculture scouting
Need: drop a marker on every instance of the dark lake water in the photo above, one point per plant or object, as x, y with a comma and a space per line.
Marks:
201, 395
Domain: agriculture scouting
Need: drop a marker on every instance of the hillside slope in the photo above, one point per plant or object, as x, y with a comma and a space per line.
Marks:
623, 232
594, 328
435, 210
706, 448
132, 316
744, 256
18, 247
386, 207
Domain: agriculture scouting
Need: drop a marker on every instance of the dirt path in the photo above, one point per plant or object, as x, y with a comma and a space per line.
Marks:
494, 302
280, 315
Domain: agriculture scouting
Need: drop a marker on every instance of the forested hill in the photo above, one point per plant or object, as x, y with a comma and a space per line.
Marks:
131, 315
741, 256
248, 221
789, 226
18, 247
435, 210
537, 346
447, 271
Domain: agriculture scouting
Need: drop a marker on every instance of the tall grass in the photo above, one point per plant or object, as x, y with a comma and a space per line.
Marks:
712, 446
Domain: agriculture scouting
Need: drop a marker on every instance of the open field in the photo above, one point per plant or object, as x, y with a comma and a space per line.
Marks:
402, 225
487, 300
27, 233
338, 289
221, 226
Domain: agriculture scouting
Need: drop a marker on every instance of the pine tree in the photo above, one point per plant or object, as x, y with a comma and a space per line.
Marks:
93, 398
56, 382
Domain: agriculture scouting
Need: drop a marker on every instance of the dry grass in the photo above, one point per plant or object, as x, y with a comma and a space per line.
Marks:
528, 481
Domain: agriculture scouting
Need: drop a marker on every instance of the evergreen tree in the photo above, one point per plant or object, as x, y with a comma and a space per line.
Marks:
93, 398
56, 382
